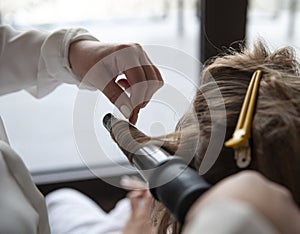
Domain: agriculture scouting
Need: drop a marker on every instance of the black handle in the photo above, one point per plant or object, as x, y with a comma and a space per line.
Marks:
184, 186
171, 181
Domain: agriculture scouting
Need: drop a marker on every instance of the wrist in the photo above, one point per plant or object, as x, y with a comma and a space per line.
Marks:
82, 56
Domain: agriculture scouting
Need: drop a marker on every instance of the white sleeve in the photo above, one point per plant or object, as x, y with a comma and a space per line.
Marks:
229, 217
23, 208
36, 61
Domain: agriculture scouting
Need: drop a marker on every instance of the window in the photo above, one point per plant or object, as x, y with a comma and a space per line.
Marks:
41, 131
276, 21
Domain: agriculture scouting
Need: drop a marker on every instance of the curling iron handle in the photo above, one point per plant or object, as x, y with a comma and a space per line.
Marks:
179, 194
172, 183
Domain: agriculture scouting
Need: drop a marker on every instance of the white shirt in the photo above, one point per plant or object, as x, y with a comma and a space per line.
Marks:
37, 62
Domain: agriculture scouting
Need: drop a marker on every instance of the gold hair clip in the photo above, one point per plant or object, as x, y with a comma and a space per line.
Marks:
242, 132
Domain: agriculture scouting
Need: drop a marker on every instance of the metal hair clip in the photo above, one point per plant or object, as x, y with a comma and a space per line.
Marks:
242, 132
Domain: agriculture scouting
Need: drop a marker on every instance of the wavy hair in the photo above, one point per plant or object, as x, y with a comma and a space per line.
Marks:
275, 133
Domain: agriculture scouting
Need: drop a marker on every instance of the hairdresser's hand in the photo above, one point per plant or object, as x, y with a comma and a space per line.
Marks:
141, 207
99, 64
271, 200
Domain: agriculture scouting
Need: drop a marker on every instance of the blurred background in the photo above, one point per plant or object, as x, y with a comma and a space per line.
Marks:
41, 131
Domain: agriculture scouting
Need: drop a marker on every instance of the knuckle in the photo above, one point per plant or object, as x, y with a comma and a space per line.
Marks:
138, 49
123, 46
135, 46
160, 84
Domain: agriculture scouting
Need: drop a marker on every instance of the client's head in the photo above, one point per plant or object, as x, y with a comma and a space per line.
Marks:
275, 131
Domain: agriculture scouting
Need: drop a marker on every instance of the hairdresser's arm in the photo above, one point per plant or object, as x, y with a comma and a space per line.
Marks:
39, 62
99, 64
244, 203
36, 61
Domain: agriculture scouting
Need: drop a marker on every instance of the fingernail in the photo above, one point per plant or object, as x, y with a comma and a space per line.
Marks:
125, 111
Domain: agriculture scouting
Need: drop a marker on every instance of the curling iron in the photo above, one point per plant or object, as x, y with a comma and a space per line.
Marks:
170, 180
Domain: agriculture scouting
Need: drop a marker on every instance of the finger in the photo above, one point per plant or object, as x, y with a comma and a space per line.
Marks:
119, 98
124, 84
148, 203
145, 204
135, 194
134, 114
134, 198
138, 85
133, 183
154, 82
152, 73
134, 203
148, 198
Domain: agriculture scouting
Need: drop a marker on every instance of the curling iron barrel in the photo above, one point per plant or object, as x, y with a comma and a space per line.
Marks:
171, 181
